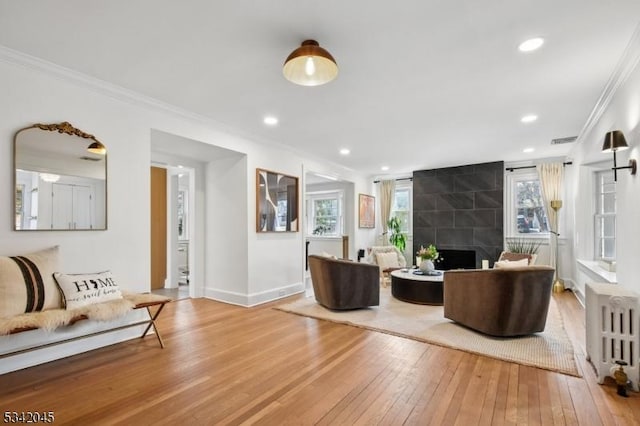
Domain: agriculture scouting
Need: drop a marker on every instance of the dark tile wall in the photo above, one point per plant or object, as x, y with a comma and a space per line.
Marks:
460, 208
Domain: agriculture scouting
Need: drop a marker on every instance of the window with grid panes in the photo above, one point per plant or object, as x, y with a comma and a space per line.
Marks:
605, 217
325, 214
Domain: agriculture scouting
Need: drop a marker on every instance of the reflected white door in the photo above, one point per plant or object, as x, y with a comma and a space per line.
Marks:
71, 207
61, 206
82, 207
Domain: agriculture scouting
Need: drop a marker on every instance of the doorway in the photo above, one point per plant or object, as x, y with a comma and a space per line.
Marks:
170, 231
158, 227
329, 212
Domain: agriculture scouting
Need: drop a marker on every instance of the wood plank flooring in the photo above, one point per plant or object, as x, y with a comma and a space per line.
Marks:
225, 364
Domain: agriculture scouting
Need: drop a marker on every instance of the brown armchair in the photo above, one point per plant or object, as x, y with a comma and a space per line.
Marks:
342, 284
499, 302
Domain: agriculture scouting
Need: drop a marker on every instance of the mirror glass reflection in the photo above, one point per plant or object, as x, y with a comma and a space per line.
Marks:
60, 185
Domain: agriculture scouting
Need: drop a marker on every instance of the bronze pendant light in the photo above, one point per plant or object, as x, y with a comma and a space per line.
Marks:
310, 65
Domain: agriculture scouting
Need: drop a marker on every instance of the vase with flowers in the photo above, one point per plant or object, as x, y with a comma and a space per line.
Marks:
425, 258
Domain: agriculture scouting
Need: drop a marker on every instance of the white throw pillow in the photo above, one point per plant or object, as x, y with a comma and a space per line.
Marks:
329, 255
86, 289
507, 264
387, 260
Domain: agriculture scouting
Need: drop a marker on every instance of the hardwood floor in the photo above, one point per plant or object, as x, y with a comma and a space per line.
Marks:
229, 365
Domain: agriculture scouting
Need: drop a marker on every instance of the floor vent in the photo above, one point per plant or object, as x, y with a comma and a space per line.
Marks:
612, 330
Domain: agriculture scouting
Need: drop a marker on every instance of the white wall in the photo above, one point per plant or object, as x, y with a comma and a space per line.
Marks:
251, 267
618, 109
38, 92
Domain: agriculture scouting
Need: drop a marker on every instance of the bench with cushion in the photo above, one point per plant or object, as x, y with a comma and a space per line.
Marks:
31, 298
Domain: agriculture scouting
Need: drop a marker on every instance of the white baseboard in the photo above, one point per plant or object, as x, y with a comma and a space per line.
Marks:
248, 300
576, 290
28, 339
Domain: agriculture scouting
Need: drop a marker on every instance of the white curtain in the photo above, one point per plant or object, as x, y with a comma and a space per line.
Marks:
387, 190
551, 181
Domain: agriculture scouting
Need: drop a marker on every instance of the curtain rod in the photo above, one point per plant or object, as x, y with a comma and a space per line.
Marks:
407, 178
510, 169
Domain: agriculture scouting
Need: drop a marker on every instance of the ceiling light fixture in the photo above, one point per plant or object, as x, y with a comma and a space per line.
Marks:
384, 168
615, 141
97, 147
528, 150
345, 151
529, 118
49, 177
270, 120
531, 44
310, 65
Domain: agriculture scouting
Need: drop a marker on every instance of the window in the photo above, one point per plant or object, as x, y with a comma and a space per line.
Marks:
325, 214
525, 206
402, 207
531, 215
19, 206
605, 217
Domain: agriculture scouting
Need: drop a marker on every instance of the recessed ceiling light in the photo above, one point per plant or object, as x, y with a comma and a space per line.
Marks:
528, 150
270, 120
529, 118
384, 168
531, 44
345, 151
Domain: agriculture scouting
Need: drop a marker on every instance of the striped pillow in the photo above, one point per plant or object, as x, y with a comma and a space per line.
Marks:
27, 284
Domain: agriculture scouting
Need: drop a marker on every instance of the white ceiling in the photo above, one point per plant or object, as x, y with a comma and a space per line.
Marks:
422, 84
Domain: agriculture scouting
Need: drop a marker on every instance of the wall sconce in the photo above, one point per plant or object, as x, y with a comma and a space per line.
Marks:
614, 141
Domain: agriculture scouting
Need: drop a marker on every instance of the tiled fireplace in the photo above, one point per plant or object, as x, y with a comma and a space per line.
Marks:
460, 208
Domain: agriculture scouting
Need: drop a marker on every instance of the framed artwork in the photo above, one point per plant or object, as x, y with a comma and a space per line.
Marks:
366, 211
276, 202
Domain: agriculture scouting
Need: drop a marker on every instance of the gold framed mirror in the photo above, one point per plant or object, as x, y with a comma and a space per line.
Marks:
60, 179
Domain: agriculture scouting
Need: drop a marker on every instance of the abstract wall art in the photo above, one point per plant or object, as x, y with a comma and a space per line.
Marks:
276, 202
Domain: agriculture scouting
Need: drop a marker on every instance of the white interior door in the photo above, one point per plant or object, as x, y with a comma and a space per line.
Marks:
71, 206
82, 204
61, 206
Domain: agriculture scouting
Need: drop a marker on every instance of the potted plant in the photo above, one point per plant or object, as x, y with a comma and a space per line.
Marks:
427, 255
523, 245
397, 238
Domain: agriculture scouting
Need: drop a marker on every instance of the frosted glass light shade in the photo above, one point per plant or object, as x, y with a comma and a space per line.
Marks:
310, 65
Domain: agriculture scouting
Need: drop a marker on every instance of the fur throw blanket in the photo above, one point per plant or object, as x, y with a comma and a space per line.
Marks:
51, 319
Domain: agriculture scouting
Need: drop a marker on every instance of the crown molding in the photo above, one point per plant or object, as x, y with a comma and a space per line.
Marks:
119, 93
111, 90
625, 66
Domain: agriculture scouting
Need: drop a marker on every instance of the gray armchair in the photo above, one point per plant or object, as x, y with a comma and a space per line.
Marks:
499, 302
343, 284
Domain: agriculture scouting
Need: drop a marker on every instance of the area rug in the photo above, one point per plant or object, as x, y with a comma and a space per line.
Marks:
550, 350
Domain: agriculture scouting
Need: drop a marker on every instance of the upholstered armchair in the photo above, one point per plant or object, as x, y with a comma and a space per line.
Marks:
388, 258
514, 257
499, 302
343, 284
